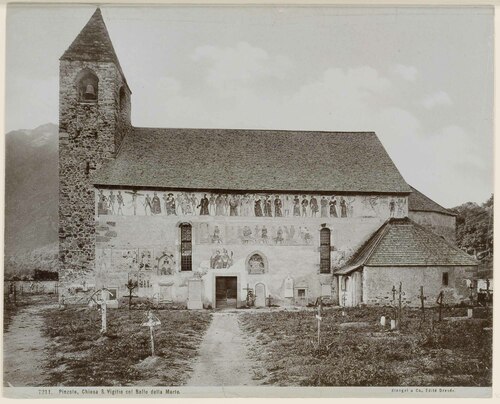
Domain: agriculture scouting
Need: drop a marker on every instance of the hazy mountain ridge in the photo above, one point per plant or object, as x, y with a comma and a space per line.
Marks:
31, 198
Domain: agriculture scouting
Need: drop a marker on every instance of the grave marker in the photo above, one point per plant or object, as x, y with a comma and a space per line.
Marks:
152, 322
288, 287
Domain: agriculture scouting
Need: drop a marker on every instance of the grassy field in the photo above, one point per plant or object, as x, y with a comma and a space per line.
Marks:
357, 351
81, 356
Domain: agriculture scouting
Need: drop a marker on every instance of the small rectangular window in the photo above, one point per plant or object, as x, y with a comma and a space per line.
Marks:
301, 293
445, 278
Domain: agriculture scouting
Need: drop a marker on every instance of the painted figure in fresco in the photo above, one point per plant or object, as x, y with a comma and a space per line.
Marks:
296, 206
170, 204
194, 203
279, 236
145, 263
186, 204
102, 205
350, 206
211, 205
392, 207
215, 260
277, 207
166, 265
306, 235
247, 234
258, 208
333, 207
121, 204
226, 205
216, 236
267, 207
324, 206
155, 204
219, 205
314, 206
226, 260
251, 204
178, 204
204, 205
304, 204
343, 207
112, 200
147, 204
233, 206
287, 202
134, 199
292, 232
264, 237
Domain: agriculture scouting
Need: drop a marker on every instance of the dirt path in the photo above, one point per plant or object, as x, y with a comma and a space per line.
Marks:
23, 346
224, 358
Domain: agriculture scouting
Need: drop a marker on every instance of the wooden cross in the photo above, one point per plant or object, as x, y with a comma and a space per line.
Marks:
249, 290
422, 300
101, 302
151, 323
439, 301
319, 318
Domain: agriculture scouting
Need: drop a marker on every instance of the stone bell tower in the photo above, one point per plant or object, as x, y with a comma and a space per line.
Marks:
94, 117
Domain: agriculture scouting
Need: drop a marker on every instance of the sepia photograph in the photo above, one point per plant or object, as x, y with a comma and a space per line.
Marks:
251, 201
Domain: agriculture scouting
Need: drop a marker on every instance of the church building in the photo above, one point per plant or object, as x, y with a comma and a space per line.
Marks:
206, 217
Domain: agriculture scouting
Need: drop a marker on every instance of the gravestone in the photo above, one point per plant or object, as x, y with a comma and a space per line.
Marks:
260, 295
289, 288
195, 291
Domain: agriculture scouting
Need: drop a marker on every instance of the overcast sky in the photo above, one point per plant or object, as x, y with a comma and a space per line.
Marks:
421, 78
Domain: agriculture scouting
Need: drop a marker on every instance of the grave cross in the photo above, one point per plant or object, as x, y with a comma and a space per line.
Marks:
422, 300
101, 302
249, 295
151, 323
344, 299
398, 308
319, 318
439, 301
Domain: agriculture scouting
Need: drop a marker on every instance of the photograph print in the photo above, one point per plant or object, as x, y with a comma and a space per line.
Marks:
243, 199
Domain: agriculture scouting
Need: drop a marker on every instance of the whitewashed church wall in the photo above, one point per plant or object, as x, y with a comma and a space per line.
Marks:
379, 281
146, 248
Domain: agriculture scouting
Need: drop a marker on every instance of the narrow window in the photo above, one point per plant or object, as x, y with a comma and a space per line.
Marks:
445, 278
186, 247
324, 248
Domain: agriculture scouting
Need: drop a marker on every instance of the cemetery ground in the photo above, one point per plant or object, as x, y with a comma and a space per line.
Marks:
355, 350
268, 346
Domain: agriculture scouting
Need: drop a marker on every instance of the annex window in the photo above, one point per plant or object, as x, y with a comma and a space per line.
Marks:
88, 86
186, 247
324, 250
445, 278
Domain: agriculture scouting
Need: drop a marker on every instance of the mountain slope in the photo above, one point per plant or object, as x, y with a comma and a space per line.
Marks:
31, 193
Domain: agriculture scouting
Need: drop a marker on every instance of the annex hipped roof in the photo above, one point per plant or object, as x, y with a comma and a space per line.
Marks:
418, 202
236, 159
402, 242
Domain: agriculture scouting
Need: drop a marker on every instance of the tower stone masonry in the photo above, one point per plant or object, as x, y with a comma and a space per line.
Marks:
94, 116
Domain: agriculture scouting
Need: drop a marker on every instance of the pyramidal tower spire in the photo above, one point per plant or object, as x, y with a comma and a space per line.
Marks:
93, 43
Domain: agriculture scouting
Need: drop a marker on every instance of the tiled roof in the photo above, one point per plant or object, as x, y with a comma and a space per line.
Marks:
402, 242
237, 159
93, 44
418, 202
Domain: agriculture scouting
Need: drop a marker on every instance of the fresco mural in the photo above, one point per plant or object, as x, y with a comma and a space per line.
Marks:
254, 234
221, 258
161, 262
155, 203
